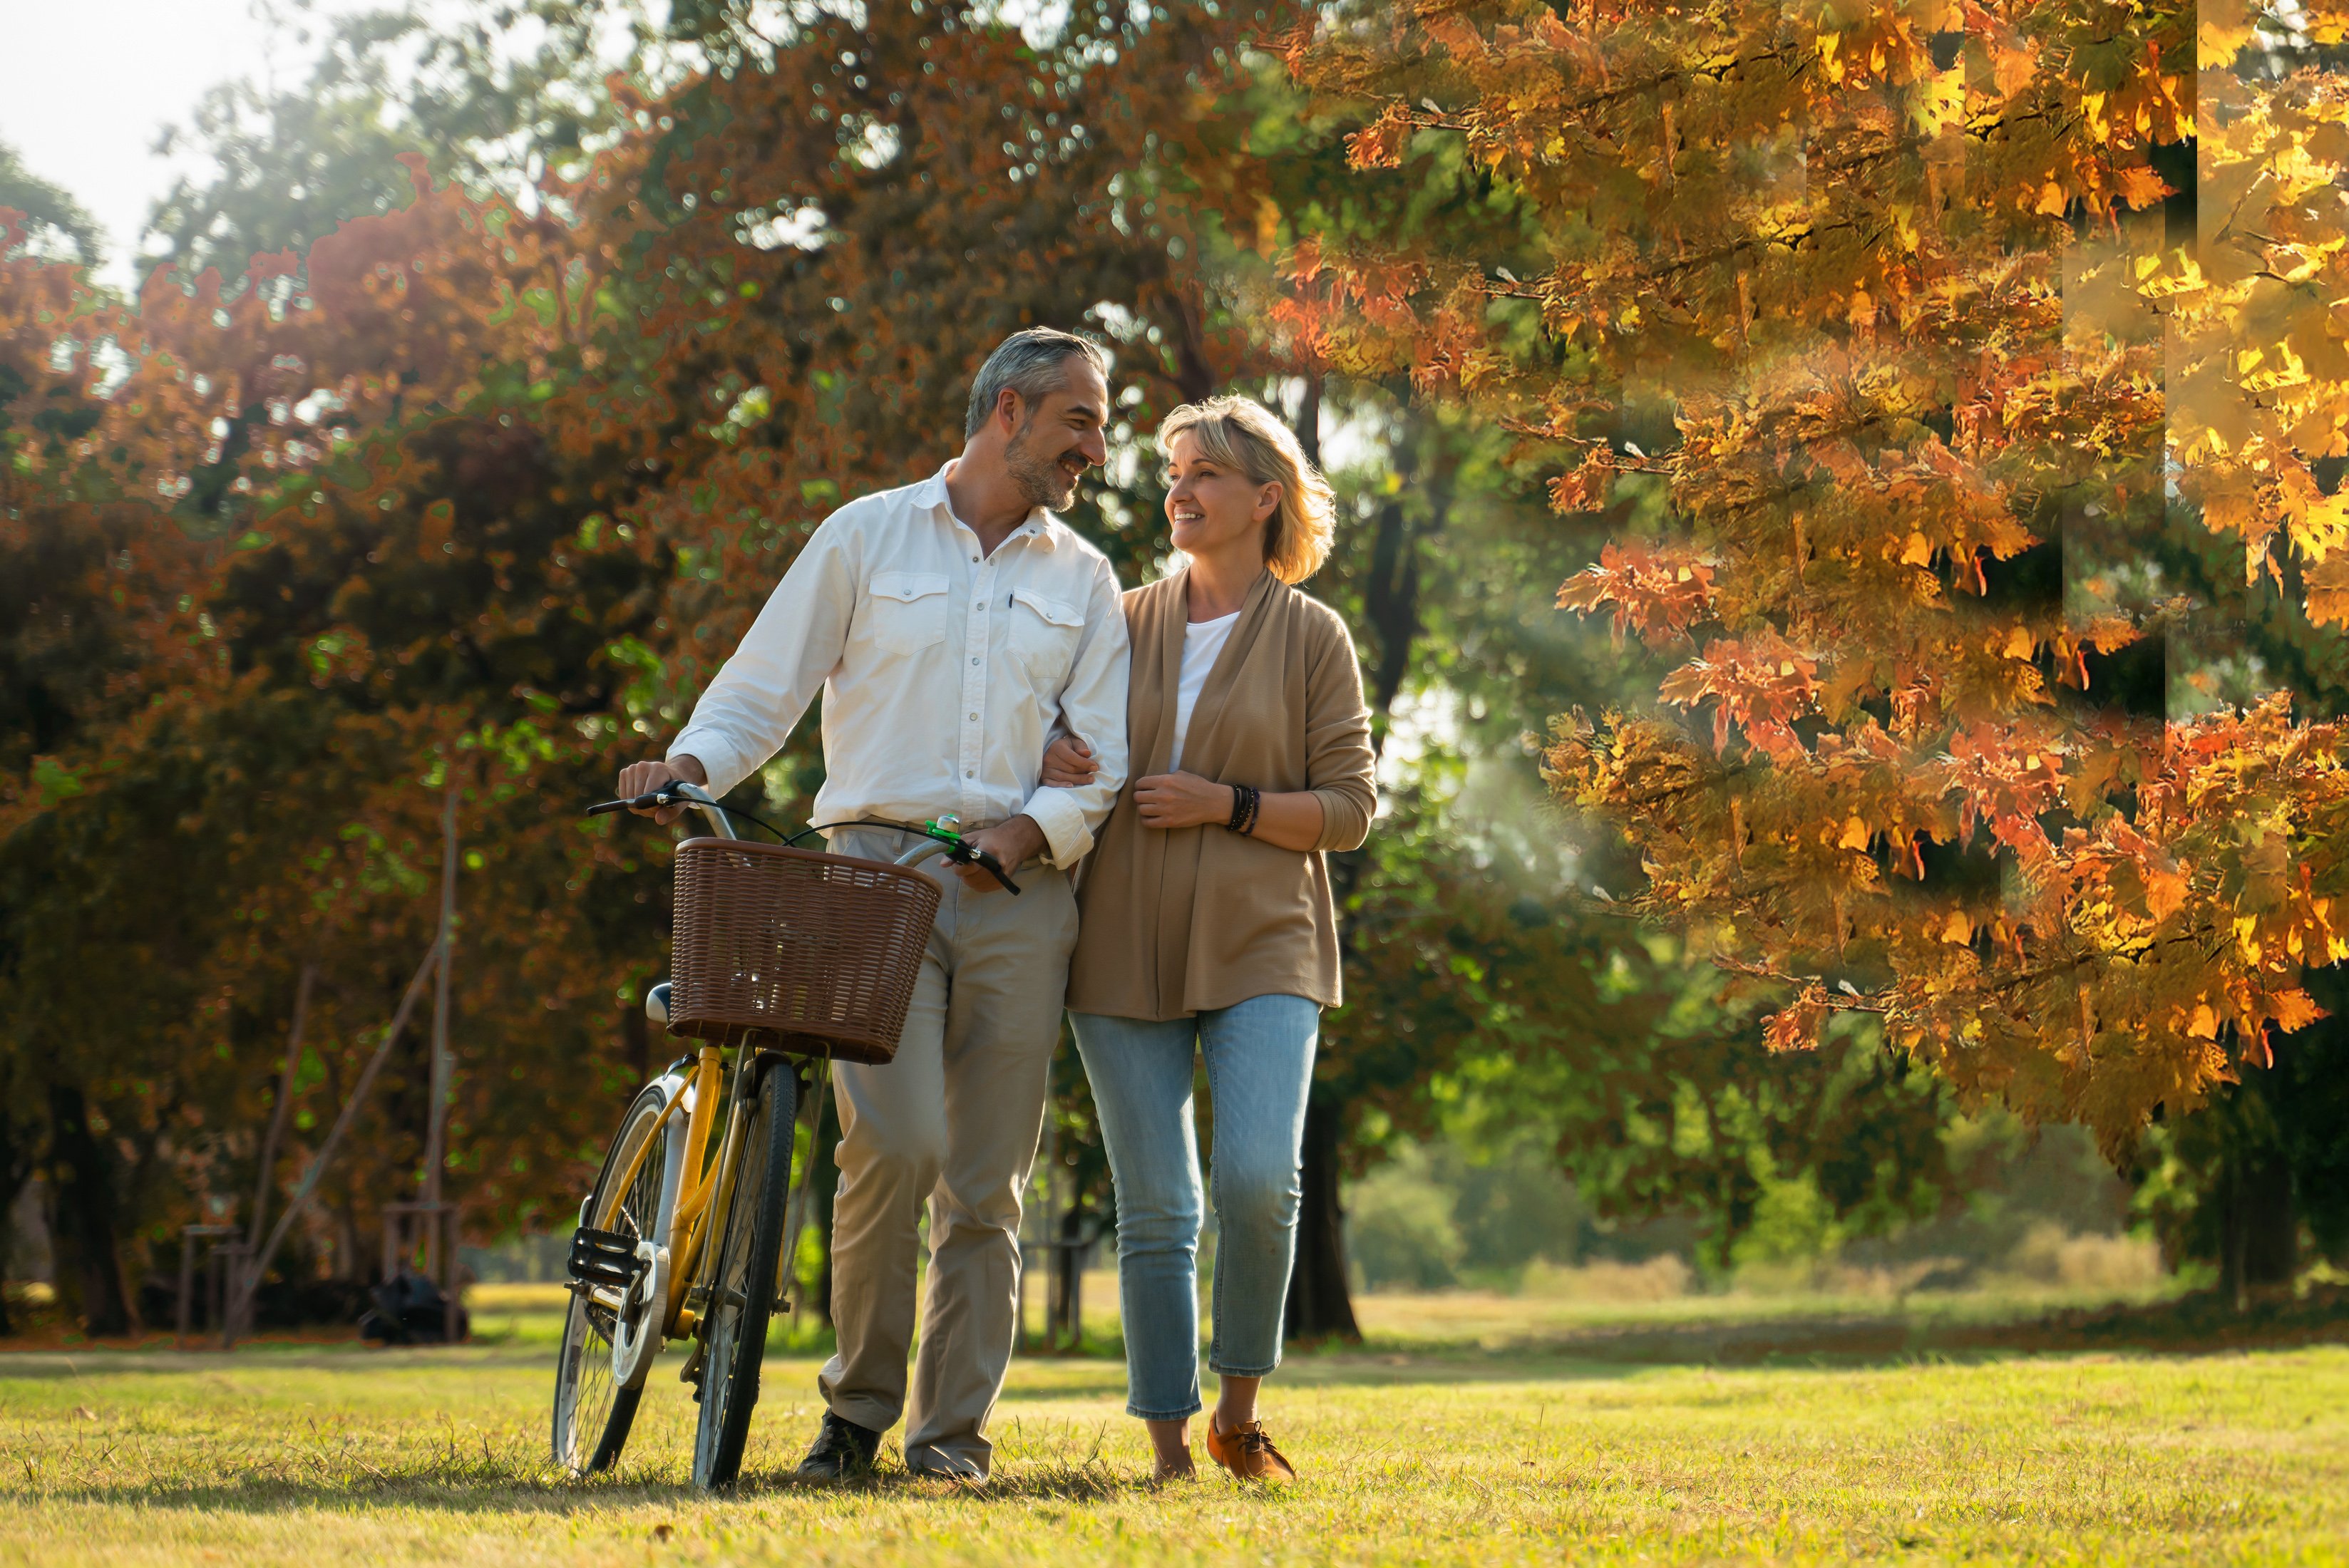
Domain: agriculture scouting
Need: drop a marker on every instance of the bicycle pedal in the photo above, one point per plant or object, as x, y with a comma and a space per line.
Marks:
604, 1257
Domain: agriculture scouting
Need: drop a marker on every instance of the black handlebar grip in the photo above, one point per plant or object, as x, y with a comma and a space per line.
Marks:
658, 797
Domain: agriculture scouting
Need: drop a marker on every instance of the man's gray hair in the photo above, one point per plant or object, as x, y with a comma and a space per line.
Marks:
1034, 364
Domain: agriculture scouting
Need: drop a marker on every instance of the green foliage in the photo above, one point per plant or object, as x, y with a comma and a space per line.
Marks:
1404, 1233
53, 218
503, 95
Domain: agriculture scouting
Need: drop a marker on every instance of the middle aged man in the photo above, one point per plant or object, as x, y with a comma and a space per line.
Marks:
952, 625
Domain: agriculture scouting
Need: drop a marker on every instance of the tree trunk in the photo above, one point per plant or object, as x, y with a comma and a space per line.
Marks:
14, 1168
81, 1185
2258, 1246
1309, 419
1063, 1318
1320, 1304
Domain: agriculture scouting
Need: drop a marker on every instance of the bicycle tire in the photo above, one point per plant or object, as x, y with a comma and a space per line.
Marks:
591, 1413
742, 1285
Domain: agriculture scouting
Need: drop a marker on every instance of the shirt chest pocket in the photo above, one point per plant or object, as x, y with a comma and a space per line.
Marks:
905, 612
1044, 634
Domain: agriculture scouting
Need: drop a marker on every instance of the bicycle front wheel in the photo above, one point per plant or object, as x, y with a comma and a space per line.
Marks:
742, 1294
592, 1412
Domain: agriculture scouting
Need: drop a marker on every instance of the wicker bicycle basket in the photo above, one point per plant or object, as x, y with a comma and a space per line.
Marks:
811, 954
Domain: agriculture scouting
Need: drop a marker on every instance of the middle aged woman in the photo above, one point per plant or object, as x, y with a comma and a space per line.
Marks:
1207, 920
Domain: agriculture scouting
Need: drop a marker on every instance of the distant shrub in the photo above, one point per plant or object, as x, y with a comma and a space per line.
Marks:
2048, 1255
1661, 1278
1401, 1232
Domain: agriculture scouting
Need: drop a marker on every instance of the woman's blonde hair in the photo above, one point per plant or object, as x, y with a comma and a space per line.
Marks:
1242, 433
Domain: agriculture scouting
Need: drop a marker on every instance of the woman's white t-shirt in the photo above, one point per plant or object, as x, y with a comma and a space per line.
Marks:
1203, 640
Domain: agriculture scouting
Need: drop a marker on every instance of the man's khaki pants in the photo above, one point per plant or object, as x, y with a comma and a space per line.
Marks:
953, 1122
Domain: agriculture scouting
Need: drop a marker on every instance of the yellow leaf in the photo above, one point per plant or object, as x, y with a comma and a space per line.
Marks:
2296, 1009
2020, 644
1855, 835
1956, 928
1917, 551
2204, 1024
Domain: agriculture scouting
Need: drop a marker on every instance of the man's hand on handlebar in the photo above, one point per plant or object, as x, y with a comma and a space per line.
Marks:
1013, 843
644, 777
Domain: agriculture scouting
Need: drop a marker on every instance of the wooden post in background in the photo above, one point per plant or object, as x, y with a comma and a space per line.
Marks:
244, 1290
440, 1229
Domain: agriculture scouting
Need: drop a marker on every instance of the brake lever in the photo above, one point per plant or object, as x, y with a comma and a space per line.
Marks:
964, 854
647, 802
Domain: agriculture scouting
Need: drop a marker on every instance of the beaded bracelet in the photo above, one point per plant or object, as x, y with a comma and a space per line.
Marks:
1244, 803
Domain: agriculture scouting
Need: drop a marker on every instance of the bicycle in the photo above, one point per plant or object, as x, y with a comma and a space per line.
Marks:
767, 987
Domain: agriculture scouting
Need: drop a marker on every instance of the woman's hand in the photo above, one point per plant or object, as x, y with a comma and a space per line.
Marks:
1069, 763
1169, 800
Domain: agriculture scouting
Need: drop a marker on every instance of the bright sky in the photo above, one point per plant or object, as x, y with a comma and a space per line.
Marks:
92, 83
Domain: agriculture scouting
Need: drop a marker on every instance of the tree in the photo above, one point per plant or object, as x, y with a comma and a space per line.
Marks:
465, 491
1846, 327
502, 96
51, 218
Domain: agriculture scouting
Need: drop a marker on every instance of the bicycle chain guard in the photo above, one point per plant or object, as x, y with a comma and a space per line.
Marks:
637, 1335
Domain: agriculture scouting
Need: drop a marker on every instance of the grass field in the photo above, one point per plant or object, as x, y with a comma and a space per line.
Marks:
1569, 1440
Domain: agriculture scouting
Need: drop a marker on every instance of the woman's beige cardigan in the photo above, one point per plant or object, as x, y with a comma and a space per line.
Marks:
1175, 923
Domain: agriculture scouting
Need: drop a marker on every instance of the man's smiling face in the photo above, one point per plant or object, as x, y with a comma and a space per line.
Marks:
1060, 437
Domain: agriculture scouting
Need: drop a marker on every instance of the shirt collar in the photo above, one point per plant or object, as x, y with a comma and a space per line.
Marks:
1042, 525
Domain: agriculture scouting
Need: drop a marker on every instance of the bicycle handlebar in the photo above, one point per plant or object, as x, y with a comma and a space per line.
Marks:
953, 845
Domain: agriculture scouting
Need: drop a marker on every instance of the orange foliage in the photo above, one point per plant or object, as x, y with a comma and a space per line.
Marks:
1856, 323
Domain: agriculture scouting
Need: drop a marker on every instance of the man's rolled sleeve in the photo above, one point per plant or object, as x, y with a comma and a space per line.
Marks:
1093, 708
1068, 837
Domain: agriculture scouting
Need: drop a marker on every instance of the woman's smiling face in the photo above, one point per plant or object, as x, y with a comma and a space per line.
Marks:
1209, 504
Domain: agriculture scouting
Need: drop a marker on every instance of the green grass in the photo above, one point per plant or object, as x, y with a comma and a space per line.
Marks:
1549, 1450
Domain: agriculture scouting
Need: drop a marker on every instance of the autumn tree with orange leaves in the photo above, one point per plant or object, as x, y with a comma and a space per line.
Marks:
1886, 337
476, 492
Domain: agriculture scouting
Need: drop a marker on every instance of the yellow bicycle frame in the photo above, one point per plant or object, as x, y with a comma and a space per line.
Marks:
689, 1221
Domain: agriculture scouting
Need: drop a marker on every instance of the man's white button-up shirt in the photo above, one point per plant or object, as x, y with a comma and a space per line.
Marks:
944, 670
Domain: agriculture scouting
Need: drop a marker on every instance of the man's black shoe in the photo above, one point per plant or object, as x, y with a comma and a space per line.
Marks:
841, 1450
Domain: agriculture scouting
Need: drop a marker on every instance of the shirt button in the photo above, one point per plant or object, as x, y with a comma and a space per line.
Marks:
974, 661
974, 718
974, 560
970, 772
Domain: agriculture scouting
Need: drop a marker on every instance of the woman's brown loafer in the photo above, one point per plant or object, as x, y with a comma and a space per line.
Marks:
1247, 1453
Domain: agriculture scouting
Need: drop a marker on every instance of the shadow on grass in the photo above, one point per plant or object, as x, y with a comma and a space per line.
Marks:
2193, 1325
83, 1362
519, 1491
2197, 1324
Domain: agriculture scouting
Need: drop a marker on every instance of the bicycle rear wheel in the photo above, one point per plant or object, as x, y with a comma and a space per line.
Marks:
742, 1294
592, 1412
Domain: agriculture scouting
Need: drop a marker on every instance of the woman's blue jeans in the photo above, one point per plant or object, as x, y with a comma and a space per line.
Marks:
1260, 1056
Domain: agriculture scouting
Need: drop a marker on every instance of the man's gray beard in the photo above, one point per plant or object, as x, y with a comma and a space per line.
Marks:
1042, 482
